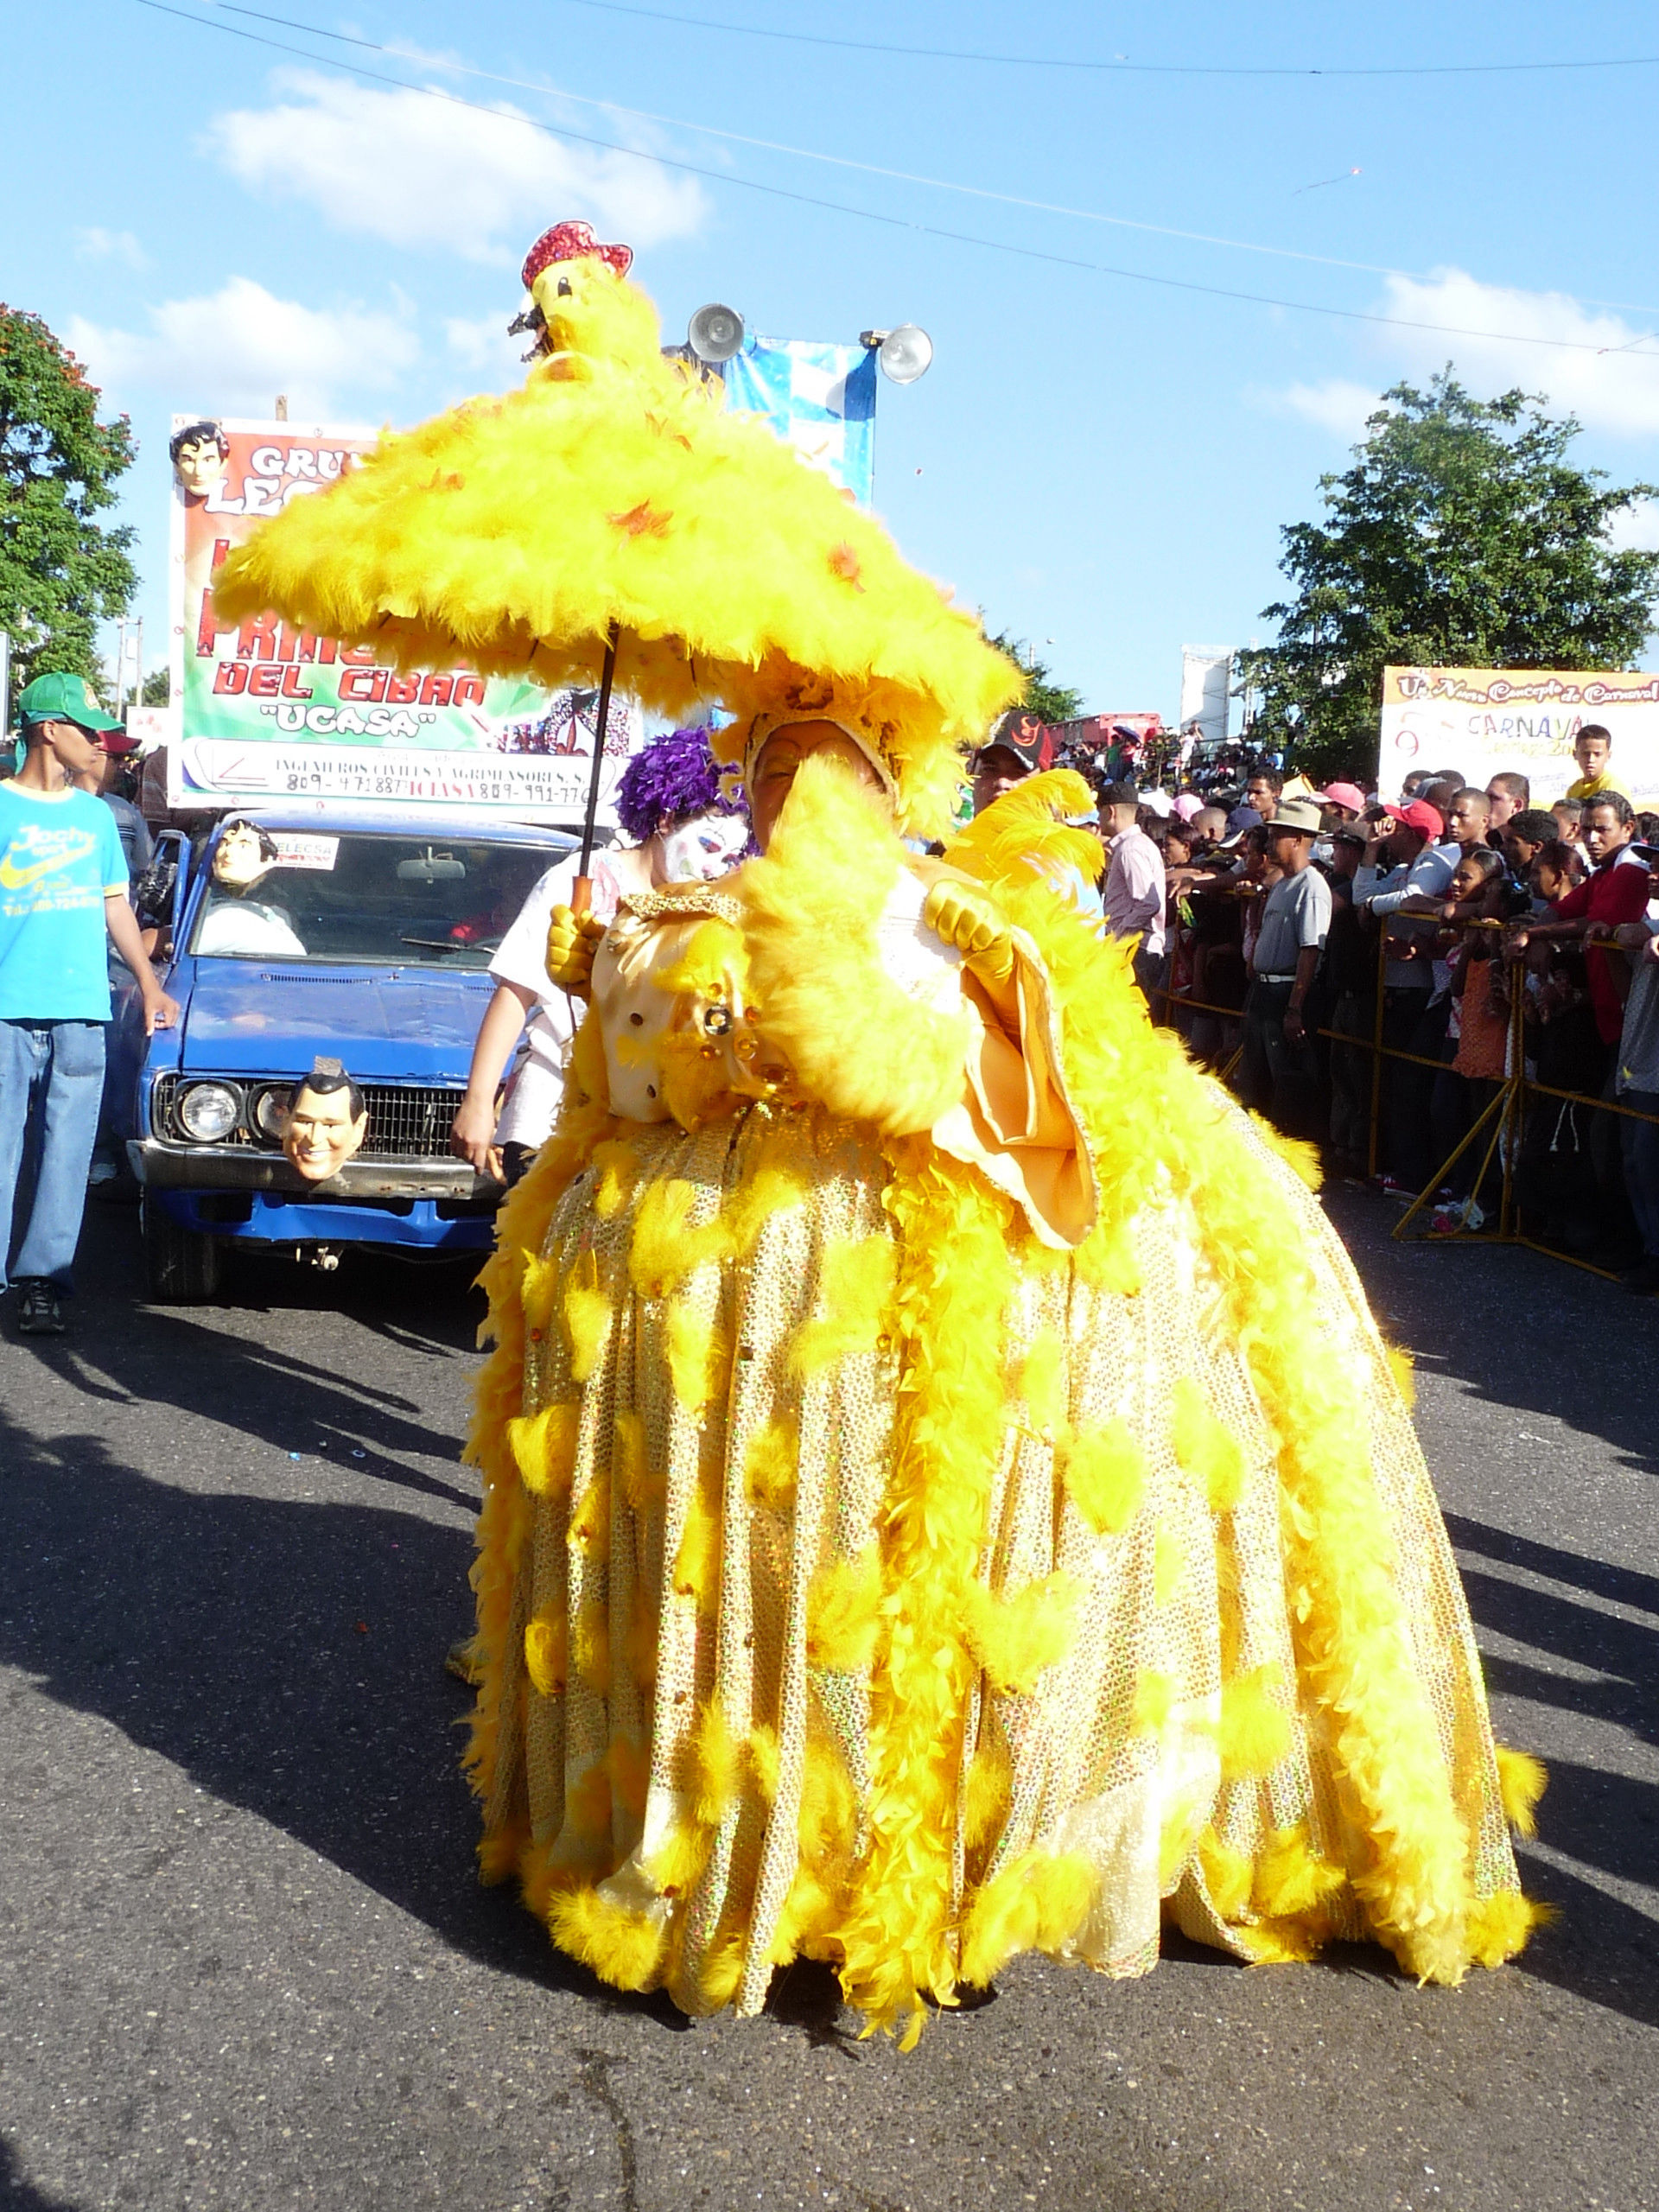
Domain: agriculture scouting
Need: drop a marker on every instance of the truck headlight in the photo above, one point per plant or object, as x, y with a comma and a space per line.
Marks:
270, 1105
208, 1111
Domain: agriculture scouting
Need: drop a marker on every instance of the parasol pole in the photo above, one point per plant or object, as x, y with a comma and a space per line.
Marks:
581, 891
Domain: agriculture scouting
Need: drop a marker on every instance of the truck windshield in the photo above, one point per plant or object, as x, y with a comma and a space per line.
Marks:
404, 901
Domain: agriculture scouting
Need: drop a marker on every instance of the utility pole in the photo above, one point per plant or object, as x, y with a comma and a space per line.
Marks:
282, 407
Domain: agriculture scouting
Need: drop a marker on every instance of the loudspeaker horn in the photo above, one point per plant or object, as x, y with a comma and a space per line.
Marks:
714, 333
905, 353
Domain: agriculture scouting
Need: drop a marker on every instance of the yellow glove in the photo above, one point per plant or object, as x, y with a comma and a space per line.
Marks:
970, 919
572, 940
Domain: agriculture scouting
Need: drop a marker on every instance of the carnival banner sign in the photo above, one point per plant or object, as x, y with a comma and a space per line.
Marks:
1483, 720
820, 399
266, 711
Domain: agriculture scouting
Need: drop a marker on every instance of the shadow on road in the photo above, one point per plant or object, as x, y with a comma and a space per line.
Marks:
285, 1654
18, 2195
287, 1657
1482, 1314
1607, 1669
120, 1350
1600, 1947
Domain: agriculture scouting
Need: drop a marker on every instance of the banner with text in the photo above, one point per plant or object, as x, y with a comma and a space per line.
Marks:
266, 711
1480, 721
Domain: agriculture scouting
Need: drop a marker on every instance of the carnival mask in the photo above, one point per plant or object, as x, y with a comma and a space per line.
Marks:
241, 857
325, 1122
199, 468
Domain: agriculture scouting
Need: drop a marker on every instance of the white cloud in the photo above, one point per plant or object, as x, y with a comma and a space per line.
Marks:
97, 244
1605, 370
1599, 367
1337, 404
1637, 528
482, 344
232, 351
423, 173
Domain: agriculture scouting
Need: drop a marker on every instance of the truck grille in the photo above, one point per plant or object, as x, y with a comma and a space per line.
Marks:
407, 1120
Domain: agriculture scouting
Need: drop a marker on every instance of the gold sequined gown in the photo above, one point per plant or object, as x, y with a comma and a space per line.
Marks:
907, 1543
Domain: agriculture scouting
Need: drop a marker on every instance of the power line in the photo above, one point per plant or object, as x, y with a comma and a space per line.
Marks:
872, 215
1118, 64
812, 153
847, 162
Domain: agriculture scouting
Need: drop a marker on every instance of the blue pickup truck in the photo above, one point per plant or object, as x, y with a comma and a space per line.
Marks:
367, 939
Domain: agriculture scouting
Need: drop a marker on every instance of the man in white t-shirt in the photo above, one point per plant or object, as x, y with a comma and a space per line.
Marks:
670, 800
525, 1001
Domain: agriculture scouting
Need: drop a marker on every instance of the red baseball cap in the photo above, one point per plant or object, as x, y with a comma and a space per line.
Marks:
1420, 815
1031, 742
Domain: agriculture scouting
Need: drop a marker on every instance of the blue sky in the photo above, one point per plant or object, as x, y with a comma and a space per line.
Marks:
1095, 461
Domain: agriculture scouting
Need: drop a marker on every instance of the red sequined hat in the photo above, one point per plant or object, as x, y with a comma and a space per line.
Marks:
573, 241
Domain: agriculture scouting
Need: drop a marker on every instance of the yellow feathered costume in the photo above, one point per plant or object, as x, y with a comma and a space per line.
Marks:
898, 1554
943, 1493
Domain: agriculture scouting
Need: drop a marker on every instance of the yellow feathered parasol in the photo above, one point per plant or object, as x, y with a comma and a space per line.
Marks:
612, 502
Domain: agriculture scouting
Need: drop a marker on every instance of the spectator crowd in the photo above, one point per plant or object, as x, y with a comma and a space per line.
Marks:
1370, 976
1284, 931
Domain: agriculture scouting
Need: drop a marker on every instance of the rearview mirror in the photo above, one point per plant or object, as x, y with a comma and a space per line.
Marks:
432, 868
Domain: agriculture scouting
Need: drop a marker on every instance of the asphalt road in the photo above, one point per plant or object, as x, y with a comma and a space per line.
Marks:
244, 1962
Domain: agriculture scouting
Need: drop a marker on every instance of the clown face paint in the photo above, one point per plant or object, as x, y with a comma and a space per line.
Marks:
702, 848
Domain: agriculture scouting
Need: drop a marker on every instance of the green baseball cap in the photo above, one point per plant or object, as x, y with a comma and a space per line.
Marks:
62, 699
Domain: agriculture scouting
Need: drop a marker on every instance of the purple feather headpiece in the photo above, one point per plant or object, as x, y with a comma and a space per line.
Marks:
674, 775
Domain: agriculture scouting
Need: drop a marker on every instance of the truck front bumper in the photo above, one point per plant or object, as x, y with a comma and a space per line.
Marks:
435, 1206
235, 1167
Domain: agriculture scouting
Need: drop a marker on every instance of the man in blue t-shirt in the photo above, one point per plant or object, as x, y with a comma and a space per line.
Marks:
63, 889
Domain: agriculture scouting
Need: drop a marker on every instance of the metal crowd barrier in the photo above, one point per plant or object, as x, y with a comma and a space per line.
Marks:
1504, 1114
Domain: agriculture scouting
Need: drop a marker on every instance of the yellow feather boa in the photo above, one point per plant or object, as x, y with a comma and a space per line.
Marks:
904, 1933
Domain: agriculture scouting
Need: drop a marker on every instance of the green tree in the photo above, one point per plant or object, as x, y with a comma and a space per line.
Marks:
157, 688
62, 571
1048, 701
1460, 536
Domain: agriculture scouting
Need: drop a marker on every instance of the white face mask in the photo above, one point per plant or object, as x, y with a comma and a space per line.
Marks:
704, 847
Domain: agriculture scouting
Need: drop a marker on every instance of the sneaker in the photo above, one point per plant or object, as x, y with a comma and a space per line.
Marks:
1392, 1187
39, 1313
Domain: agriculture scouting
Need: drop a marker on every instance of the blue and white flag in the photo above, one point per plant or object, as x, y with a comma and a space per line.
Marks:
820, 399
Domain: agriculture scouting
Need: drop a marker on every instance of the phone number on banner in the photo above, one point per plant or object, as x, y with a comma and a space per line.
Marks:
225, 770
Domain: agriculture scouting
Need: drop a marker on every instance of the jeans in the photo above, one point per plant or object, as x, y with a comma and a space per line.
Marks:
1350, 1076
1614, 1221
1641, 1144
1151, 972
51, 1082
1276, 1078
1410, 1024
1457, 1102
